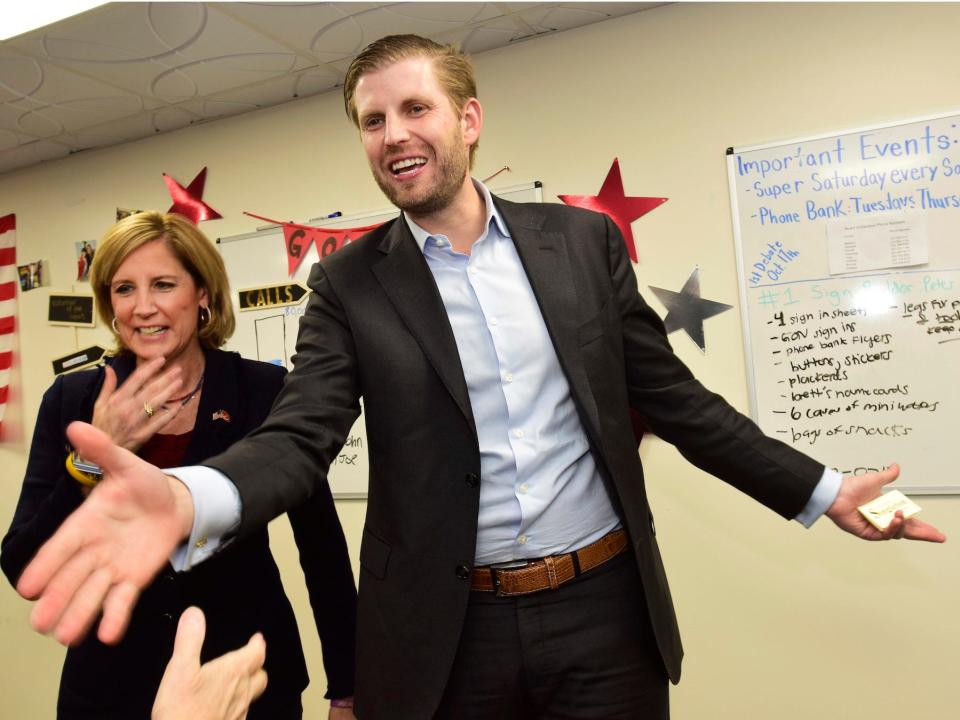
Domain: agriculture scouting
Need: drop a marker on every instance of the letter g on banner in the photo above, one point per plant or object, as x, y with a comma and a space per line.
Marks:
296, 240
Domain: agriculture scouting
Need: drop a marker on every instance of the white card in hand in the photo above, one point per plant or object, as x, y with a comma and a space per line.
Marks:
880, 511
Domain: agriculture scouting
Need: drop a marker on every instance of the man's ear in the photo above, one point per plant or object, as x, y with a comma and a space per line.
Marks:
471, 120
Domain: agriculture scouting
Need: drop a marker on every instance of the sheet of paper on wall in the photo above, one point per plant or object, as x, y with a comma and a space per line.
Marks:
890, 240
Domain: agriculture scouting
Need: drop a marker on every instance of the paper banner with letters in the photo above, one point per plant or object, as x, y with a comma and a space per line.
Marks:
297, 239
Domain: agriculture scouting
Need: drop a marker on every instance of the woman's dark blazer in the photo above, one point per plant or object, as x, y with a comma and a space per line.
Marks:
239, 590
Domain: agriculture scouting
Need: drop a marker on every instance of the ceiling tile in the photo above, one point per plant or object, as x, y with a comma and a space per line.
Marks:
10, 140
74, 115
348, 36
447, 13
484, 37
281, 89
317, 80
39, 124
294, 25
19, 75
128, 70
172, 118
32, 154
561, 18
144, 124
119, 33
216, 75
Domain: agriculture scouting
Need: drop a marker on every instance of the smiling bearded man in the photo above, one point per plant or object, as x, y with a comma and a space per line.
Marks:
418, 155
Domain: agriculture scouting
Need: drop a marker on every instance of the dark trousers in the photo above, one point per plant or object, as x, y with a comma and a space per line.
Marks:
585, 651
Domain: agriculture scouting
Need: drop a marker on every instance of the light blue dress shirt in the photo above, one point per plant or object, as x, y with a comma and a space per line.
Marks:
540, 492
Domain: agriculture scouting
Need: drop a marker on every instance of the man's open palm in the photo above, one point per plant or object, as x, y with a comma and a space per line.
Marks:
110, 548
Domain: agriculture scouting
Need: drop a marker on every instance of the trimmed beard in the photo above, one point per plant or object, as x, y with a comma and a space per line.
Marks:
452, 169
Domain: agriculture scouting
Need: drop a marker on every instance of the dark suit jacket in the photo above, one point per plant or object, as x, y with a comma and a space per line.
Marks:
239, 591
375, 327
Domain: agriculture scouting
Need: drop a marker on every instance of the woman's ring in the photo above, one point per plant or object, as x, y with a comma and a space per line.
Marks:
148, 409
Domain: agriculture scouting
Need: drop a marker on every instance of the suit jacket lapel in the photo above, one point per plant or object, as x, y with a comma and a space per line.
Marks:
545, 260
220, 394
406, 279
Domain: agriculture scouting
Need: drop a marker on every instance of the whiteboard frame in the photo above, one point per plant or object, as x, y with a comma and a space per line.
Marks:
732, 152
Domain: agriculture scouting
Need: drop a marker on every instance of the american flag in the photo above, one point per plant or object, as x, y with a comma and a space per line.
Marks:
8, 305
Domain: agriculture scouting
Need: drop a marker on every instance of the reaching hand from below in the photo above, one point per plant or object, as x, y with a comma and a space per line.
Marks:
221, 689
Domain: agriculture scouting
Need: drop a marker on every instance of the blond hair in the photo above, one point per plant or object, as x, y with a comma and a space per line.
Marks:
190, 246
452, 66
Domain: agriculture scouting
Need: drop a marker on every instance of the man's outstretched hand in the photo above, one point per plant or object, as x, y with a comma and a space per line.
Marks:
110, 548
860, 489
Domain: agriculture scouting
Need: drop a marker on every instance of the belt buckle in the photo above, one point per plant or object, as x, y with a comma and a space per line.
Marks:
495, 569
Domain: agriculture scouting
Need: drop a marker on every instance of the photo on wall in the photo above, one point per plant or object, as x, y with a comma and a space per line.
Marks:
126, 212
85, 251
31, 275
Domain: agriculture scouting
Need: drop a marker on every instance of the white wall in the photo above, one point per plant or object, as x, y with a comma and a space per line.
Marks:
778, 622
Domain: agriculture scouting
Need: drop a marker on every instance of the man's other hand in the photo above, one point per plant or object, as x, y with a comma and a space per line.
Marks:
860, 489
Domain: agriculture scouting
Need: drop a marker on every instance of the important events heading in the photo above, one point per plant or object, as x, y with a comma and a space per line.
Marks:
853, 175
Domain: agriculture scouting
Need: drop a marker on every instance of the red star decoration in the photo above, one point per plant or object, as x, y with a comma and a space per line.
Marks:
621, 208
188, 201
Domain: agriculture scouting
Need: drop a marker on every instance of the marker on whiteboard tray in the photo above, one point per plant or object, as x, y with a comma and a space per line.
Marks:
321, 218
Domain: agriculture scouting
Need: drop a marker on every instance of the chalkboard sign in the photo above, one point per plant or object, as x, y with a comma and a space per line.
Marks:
280, 295
71, 309
269, 333
78, 360
848, 251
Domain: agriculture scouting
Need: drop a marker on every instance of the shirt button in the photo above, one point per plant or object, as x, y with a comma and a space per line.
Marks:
508, 377
474, 271
522, 540
523, 489
518, 433
472, 479
462, 572
493, 321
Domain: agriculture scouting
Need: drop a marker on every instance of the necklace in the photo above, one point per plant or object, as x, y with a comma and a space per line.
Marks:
184, 399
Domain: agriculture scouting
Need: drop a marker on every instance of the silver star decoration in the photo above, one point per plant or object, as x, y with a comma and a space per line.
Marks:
686, 310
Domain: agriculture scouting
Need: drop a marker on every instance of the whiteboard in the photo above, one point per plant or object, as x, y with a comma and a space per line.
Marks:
848, 255
259, 259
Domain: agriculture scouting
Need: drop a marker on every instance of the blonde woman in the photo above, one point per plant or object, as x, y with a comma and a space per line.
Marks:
172, 396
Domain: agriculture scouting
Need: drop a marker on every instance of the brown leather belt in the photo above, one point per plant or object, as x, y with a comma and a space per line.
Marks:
550, 572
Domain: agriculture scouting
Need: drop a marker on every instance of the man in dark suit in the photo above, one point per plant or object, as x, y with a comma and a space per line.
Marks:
510, 566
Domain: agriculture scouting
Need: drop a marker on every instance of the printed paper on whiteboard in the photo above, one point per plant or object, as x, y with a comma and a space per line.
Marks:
896, 240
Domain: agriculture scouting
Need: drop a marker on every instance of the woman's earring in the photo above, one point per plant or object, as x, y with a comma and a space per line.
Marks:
113, 324
206, 316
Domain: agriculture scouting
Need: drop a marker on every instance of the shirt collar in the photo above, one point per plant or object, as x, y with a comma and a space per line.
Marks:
493, 215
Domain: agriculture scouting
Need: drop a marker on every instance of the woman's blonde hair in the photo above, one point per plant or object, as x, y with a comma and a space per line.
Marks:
194, 251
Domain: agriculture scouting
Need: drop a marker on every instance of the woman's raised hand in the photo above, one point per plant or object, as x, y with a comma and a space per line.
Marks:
134, 412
